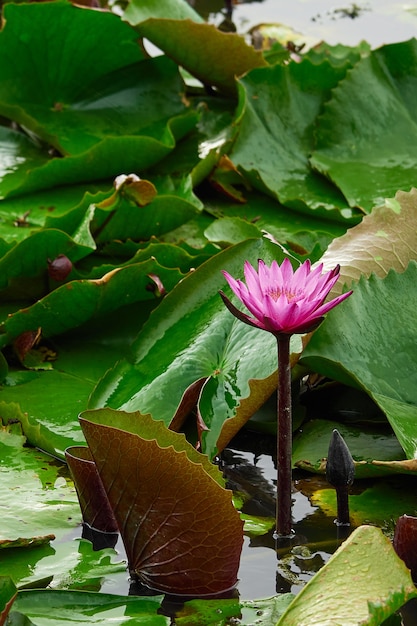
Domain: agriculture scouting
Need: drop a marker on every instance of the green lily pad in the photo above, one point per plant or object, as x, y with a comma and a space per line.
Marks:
260, 213
368, 129
357, 571
367, 444
278, 107
74, 303
37, 497
87, 105
358, 344
223, 612
381, 505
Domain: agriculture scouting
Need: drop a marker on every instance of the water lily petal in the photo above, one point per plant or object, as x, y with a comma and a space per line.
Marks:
284, 301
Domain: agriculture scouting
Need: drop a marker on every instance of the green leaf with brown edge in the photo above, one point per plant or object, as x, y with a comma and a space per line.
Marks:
357, 571
366, 136
8, 593
214, 57
83, 356
175, 543
74, 303
21, 216
193, 351
381, 242
260, 213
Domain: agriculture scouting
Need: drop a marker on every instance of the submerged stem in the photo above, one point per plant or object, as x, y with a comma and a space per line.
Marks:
284, 439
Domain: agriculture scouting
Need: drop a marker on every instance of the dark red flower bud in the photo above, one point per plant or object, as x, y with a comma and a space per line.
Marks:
59, 268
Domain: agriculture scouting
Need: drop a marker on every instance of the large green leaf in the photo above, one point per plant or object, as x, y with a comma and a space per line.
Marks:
278, 107
173, 541
353, 588
101, 105
21, 216
367, 136
82, 357
193, 351
380, 504
361, 345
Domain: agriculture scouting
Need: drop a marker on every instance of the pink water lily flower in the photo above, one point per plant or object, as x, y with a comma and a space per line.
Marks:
281, 300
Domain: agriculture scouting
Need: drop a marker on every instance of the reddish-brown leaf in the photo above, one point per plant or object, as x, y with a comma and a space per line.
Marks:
181, 532
95, 507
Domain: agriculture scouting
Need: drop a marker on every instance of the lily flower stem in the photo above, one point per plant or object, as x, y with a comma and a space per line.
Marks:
284, 439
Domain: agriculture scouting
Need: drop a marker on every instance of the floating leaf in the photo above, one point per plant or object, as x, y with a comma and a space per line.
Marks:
380, 504
358, 571
36, 499
175, 542
86, 104
74, 303
46, 607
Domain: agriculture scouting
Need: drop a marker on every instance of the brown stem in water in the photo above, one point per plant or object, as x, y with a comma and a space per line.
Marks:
284, 439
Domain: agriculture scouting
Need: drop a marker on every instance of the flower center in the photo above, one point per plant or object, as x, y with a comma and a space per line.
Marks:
276, 292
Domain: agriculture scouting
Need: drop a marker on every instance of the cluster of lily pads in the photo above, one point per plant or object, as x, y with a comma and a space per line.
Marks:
127, 184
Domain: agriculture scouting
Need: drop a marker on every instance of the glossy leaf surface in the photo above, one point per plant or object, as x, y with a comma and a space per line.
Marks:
87, 102
368, 445
175, 542
277, 111
368, 129
34, 485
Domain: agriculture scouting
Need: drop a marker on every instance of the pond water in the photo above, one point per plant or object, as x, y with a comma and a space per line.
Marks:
335, 21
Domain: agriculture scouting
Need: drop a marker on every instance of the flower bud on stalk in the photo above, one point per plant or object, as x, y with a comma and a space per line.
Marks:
340, 472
